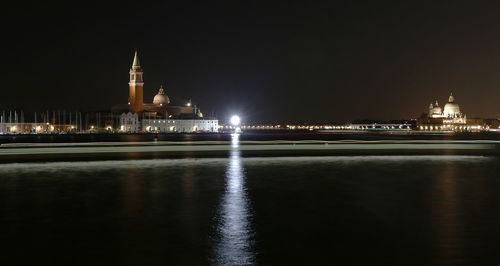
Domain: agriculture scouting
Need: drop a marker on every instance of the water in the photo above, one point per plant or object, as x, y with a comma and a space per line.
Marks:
376, 210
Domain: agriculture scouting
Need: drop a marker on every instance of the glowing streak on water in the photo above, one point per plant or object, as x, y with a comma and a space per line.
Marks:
234, 246
91, 166
235, 140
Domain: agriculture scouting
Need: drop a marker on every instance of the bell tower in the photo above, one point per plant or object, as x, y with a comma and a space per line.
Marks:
136, 85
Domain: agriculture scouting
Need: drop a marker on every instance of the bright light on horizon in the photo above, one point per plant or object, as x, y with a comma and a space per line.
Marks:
235, 120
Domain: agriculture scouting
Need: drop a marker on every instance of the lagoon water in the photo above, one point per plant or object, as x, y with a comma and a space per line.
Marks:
377, 210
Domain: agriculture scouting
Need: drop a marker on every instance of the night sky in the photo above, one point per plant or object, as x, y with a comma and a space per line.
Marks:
267, 61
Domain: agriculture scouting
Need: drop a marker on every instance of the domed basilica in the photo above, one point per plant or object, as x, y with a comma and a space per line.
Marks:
448, 118
451, 110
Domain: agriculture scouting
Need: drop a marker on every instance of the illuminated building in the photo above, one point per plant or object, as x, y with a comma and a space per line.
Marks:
136, 86
448, 118
160, 115
135, 116
451, 112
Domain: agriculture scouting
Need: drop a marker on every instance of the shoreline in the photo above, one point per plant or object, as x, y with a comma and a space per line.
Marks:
268, 135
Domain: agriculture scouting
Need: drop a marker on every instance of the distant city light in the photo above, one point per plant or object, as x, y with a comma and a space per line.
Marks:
235, 120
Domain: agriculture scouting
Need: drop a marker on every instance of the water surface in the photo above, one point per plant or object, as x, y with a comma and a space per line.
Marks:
404, 210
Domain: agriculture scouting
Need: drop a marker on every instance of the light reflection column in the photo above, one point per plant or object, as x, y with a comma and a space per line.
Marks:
447, 217
234, 246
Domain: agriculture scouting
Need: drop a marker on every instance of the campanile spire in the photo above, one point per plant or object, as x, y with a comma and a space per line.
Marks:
136, 86
136, 62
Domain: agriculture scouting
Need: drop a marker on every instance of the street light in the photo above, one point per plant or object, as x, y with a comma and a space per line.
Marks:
235, 120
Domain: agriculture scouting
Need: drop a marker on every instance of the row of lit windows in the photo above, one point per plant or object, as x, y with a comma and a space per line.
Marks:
173, 121
450, 127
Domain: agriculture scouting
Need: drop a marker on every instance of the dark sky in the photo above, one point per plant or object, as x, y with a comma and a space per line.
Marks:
268, 61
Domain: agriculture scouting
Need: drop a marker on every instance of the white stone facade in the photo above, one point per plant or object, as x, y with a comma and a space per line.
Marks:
129, 122
180, 125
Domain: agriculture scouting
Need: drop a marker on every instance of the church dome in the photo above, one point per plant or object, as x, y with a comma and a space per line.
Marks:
451, 109
161, 98
436, 110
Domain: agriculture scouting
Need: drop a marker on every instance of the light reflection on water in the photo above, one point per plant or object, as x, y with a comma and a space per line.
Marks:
234, 245
235, 140
132, 193
446, 216
170, 207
